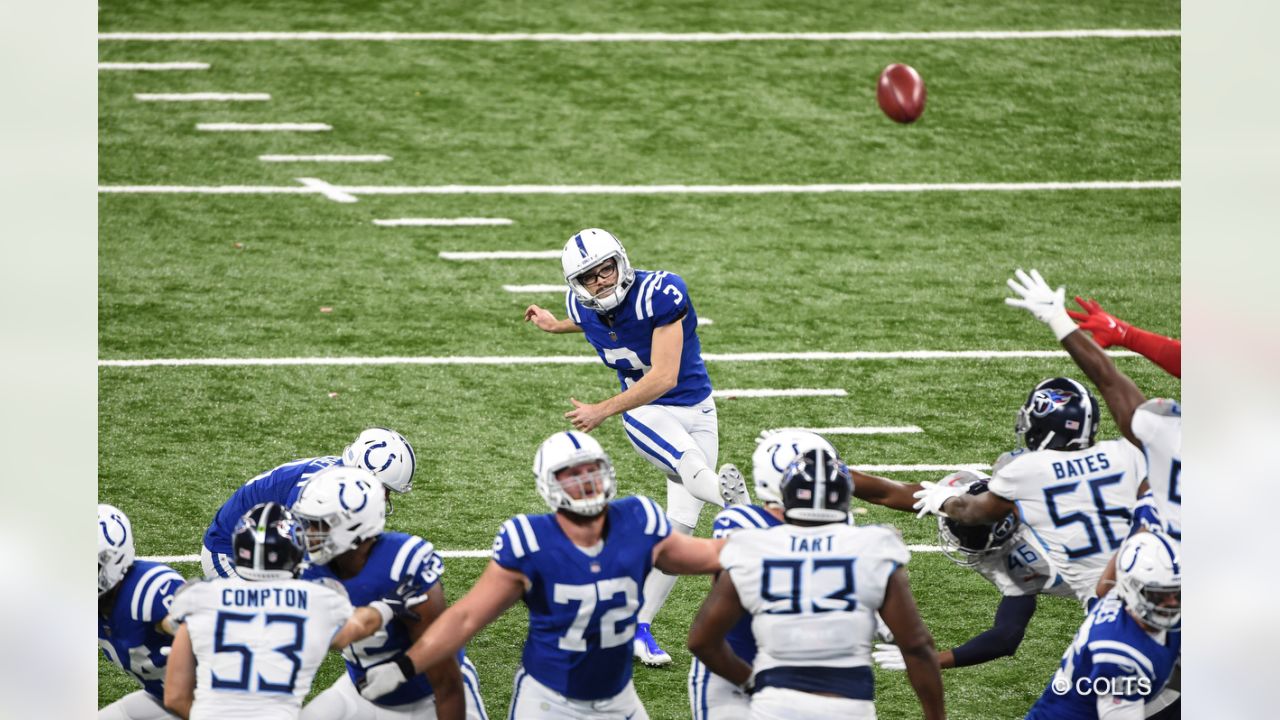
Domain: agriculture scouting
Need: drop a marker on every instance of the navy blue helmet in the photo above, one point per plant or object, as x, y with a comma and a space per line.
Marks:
968, 544
1059, 414
268, 543
816, 487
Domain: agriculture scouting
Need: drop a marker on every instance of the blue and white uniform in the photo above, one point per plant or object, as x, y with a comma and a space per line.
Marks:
582, 610
684, 418
1112, 658
280, 485
129, 636
394, 558
711, 697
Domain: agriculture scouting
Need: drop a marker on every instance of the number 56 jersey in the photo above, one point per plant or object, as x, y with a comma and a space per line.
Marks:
814, 592
583, 601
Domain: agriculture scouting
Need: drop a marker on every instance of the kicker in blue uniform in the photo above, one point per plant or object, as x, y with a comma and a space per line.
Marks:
643, 325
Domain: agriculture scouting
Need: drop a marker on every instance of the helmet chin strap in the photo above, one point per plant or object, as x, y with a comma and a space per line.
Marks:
1046, 440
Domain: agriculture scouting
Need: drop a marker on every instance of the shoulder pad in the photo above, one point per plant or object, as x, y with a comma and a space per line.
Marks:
1163, 407
1007, 458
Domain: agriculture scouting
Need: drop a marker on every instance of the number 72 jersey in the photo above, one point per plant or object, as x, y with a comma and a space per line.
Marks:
1079, 503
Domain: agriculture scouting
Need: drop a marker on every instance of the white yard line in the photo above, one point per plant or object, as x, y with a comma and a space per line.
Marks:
263, 127
325, 158
443, 553
329, 191
440, 222
1103, 33
201, 97
781, 392
514, 360
358, 190
152, 66
705, 321
534, 288
864, 430
978, 467
469, 256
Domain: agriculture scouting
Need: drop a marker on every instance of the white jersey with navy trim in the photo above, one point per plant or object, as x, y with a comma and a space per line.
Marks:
582, 601
258, 644
1158, 424
1022, 567
1079, 503
813, 593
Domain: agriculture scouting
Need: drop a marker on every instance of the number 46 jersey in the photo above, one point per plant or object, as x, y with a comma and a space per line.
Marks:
813, 593
257, 643
582, 601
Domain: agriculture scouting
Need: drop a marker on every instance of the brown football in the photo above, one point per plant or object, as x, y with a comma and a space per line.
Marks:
901, 93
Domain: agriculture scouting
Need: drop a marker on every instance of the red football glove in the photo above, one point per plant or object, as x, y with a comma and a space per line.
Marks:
1107, 329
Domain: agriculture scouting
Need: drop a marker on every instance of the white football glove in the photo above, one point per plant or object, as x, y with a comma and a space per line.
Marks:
382, 679
1047, 305
930, 499
888, 657
882, 630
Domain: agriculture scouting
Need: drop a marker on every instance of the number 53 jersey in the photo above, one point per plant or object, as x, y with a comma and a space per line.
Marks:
583, 601
257, 643
813, 591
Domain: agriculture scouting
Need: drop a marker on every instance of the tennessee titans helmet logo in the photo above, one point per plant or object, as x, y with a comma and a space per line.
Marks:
1049, 400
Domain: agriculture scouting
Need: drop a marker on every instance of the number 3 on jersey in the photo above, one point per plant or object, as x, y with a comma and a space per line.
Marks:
587, 596
632, 363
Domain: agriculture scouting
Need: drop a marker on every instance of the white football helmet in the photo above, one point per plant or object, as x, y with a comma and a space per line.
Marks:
565, 450
115, 547
339, 508
386, 454
588, 249
774, 452
1149, 579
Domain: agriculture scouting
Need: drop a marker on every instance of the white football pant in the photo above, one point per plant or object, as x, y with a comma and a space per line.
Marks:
532, 700
342, 701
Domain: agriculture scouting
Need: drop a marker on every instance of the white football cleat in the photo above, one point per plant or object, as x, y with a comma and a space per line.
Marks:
733, 489
645, 647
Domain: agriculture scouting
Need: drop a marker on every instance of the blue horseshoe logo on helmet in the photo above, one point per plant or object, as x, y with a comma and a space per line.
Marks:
124, 532
369, 463
773, 459
364, 497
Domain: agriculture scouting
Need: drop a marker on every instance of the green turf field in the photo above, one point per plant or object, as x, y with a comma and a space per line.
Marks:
246, 276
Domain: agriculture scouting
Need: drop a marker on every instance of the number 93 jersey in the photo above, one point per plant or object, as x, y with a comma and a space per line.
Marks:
625, 341
1078, 502
257, 643
583, 601
813, 591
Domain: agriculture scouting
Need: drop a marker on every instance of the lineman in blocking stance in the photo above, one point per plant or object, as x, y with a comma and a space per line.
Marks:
383, 452
813, 587
259, 637
580, 570
133, 599
643, 325
343, 514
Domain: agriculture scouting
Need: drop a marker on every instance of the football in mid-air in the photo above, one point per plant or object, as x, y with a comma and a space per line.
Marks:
901, 93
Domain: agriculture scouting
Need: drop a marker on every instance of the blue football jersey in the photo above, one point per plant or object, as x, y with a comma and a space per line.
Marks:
129, 636
394, 558
739, 517
280, 485
1111, 655
624, 337
582, 607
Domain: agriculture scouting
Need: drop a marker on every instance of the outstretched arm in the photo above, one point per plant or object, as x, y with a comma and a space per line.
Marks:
1109, 330
545, 321
903, 618
715, 619
680, 554
885, 492
1001, 640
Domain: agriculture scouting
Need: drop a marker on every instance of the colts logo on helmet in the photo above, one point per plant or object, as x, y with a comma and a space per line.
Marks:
1047, 401
106, 531
368, 461
364, 496
773, 457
